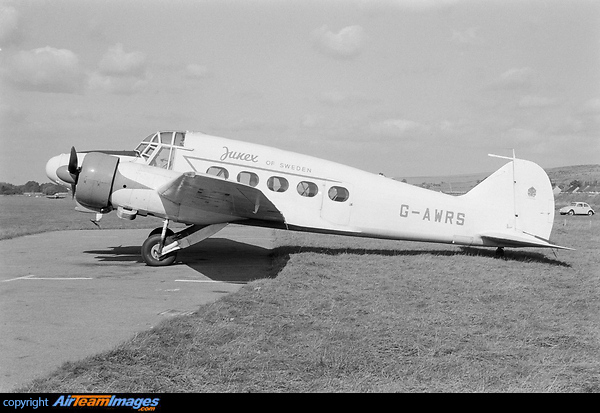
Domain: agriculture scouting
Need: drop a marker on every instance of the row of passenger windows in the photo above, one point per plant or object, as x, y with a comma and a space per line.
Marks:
280, 184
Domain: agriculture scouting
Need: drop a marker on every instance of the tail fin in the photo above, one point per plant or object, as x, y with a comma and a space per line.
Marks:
515, 206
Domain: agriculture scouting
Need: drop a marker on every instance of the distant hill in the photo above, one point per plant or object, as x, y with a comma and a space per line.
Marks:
583, 178
452, 184
587, 176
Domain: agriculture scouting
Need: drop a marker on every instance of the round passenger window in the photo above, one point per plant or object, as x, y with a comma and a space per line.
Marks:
218, 171
338, 194
278, 184
248, 178
307, 189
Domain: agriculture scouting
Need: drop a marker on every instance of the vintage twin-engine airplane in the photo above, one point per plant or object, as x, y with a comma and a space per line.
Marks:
208, 182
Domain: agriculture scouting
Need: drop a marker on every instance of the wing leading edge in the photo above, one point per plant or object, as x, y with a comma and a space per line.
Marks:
215, 195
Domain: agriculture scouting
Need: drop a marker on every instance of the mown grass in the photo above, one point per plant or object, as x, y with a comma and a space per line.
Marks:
22, 215
360, 315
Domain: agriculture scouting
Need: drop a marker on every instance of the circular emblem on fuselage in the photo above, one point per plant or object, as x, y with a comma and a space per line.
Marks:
531, 192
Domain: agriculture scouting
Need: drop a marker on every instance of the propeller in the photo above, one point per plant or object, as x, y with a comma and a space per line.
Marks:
70, 173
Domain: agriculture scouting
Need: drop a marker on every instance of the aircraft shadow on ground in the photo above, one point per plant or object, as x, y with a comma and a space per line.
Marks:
510, 255
219, 259
222, 259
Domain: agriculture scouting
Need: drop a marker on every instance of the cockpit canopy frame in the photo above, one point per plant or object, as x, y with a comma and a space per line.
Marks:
158, 149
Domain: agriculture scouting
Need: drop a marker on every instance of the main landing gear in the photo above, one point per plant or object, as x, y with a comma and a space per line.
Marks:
500, 252
161, 246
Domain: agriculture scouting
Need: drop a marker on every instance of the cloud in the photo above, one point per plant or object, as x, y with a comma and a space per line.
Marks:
530, 101
578, 124
9, 23
467, 37
592, 106
459, 126
423, 5
407, 5
248, 124
345, 44
337, 99
251, 125
310, 121
250, 93
13, 116
120, 72
116, 62
515, 78
196, 71
520, 137
46, 70
124, 85
397, 128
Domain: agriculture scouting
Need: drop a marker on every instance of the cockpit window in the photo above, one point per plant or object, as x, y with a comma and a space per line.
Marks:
163, 158
158, 149
166, 137
179, 138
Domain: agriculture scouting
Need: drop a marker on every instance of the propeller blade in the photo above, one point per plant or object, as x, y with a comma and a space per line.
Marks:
74, 170
73, 166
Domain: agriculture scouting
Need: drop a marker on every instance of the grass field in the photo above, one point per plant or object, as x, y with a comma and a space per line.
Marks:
23, 215
359, 315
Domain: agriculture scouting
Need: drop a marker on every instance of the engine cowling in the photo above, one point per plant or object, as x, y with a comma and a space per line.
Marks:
96, 179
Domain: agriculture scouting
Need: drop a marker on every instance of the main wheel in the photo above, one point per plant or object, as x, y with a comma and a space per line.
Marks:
150, 253
159, 231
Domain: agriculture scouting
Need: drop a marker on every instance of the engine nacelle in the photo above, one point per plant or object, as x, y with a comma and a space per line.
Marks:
95, 182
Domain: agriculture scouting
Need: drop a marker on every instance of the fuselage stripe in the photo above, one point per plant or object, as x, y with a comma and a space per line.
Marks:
244, 166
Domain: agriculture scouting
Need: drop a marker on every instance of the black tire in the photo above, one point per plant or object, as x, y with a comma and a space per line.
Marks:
150, 250
159, 231
571, 212
590, 213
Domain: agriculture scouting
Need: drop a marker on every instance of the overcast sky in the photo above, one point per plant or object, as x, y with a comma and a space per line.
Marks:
403, 87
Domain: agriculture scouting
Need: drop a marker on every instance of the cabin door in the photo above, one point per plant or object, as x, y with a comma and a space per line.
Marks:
337, 203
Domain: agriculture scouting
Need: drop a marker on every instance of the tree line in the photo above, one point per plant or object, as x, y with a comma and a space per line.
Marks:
31, 186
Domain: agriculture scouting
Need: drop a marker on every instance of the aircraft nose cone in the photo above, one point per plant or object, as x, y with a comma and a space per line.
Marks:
52, 166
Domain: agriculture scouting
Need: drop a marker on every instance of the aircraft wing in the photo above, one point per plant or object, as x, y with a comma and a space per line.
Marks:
515, 239
212, 194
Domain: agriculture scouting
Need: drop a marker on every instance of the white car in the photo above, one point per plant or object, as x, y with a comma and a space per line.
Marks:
577, 208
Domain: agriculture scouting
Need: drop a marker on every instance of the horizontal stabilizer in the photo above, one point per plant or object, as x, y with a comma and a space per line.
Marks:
522, 239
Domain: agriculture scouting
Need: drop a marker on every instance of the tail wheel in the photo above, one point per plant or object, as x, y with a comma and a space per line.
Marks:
151, 252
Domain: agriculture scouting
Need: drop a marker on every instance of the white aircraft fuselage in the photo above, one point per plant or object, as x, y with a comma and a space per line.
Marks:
205, 180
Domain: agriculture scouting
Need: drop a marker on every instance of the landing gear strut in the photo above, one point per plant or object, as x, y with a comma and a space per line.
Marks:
160, 249
152, 248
